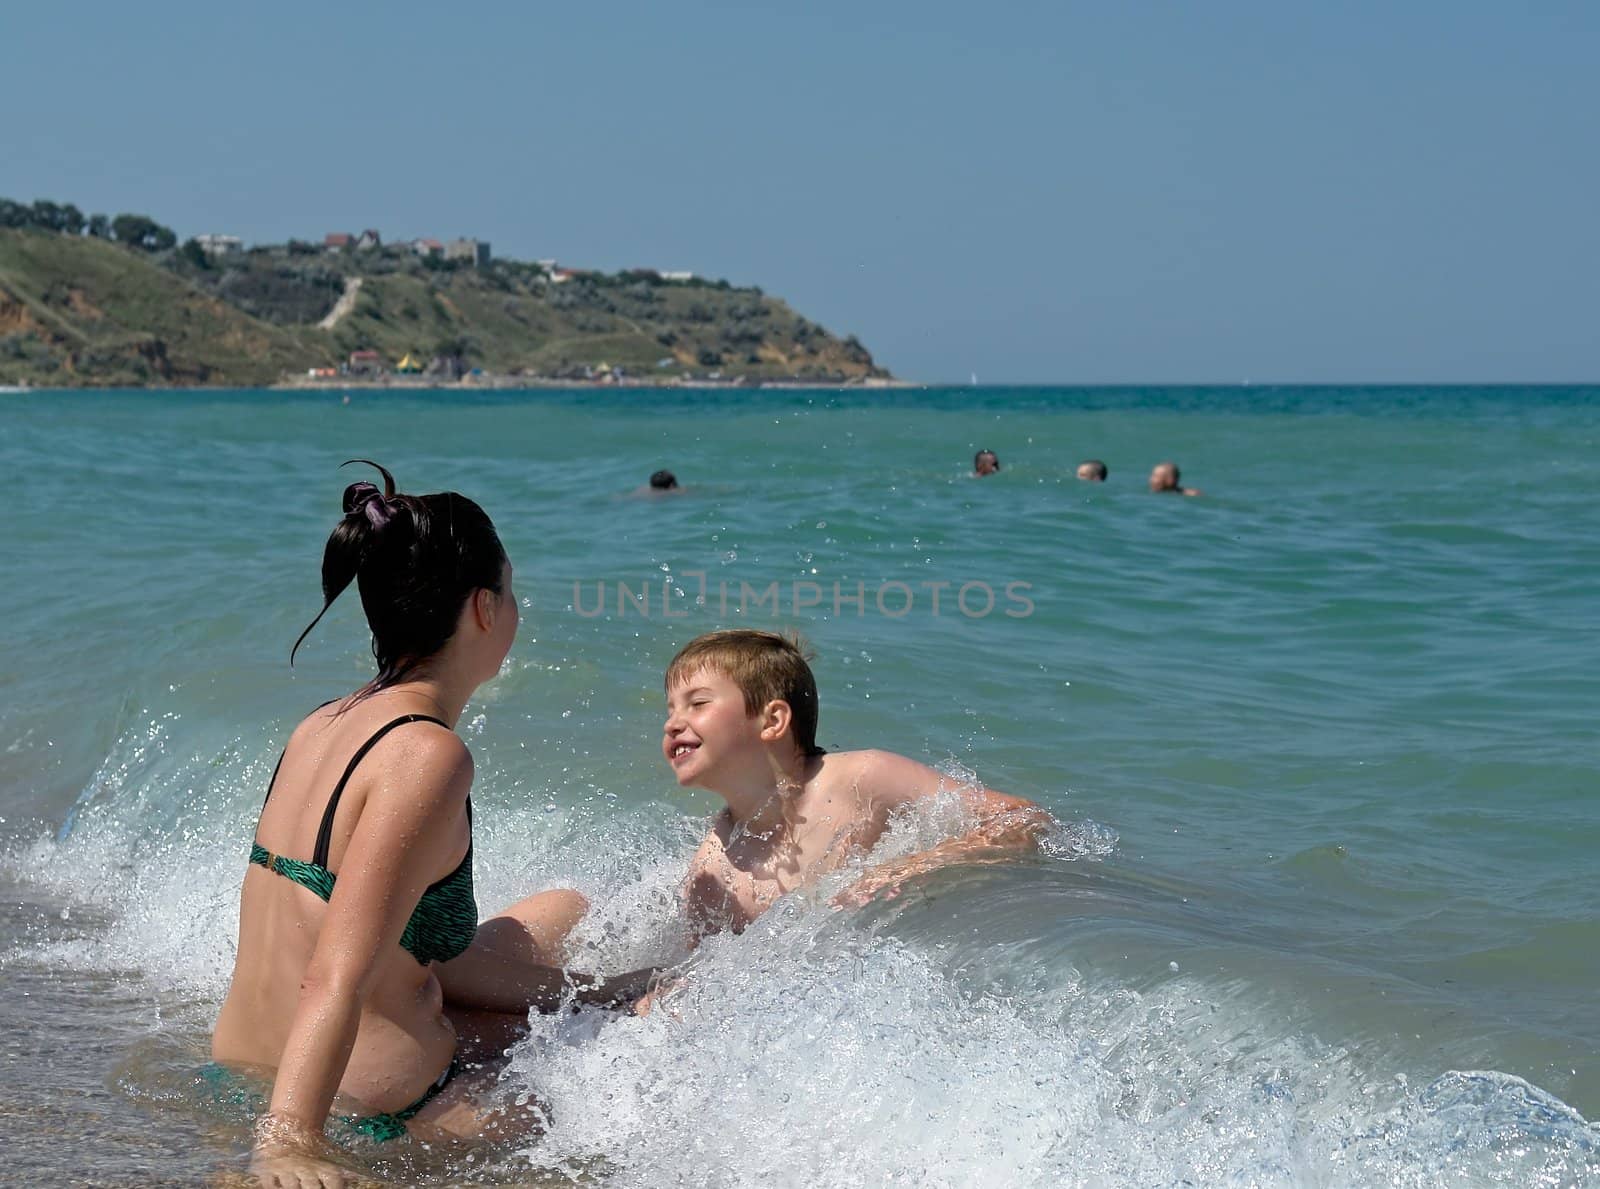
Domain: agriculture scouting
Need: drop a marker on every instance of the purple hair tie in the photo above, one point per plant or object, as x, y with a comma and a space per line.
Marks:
366, 498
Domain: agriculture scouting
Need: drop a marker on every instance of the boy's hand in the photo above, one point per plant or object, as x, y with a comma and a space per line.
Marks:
648, 1001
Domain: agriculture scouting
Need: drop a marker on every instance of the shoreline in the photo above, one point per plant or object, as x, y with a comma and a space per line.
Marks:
513, 383
429, 383
499, 383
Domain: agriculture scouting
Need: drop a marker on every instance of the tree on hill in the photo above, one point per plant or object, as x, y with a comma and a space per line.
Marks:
43, 215
62, 217
194, 253
99, 227
142, 232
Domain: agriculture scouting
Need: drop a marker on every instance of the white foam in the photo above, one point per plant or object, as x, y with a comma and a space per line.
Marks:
810, 1050
824, 1047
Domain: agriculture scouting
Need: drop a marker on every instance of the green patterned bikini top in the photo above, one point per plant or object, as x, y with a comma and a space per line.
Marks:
446, 917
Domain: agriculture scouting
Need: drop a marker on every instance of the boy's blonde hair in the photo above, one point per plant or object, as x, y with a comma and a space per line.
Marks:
765, 666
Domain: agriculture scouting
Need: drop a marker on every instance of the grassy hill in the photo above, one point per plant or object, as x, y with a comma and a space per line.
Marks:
77, 311
81, 311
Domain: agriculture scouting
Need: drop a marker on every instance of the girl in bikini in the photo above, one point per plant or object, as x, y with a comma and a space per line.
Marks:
363, 974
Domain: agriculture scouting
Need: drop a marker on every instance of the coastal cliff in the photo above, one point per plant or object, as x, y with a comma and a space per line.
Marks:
85, 311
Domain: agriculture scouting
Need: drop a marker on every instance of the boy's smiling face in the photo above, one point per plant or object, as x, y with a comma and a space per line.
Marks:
706, 726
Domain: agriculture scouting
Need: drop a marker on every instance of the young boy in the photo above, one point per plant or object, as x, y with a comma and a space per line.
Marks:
742, 723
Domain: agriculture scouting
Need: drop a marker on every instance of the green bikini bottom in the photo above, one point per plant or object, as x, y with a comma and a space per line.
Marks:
230, 1088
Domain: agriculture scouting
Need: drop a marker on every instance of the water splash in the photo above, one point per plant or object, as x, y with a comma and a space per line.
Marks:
890, 1046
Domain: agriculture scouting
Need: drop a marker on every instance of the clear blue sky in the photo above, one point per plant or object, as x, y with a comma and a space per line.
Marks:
1033, 192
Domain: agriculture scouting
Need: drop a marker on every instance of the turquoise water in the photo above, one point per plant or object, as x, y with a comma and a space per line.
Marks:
1325, 904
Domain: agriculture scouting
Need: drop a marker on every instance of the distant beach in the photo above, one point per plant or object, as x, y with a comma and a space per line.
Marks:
515, 383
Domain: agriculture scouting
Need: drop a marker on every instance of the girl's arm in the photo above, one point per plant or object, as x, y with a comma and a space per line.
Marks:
409, 829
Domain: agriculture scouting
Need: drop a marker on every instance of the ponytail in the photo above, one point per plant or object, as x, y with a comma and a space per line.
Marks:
415, 560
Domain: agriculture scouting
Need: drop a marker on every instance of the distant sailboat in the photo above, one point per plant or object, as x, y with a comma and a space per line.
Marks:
974, 379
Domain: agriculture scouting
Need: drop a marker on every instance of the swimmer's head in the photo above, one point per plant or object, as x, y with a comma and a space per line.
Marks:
765, 666
1164, 477
418, 561
1093, 471
985, 462
663, 481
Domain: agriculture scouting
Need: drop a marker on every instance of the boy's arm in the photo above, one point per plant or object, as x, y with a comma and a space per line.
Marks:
1004, 824
707, 899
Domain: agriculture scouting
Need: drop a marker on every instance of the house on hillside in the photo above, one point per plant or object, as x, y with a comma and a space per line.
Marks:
369, 239
676, 276
474, 251
427, 248
337, 241
365, 363
220, 245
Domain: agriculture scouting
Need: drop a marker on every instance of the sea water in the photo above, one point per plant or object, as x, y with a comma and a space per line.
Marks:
1324, 903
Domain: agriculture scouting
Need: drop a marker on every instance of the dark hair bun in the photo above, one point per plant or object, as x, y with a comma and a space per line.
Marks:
413, 579
357, 494
363, 497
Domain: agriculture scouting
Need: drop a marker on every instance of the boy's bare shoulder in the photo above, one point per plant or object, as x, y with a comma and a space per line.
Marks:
840, 763
849, 768
866, 756
881, 776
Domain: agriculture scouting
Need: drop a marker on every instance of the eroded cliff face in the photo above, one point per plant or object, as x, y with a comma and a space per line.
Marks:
84, 312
